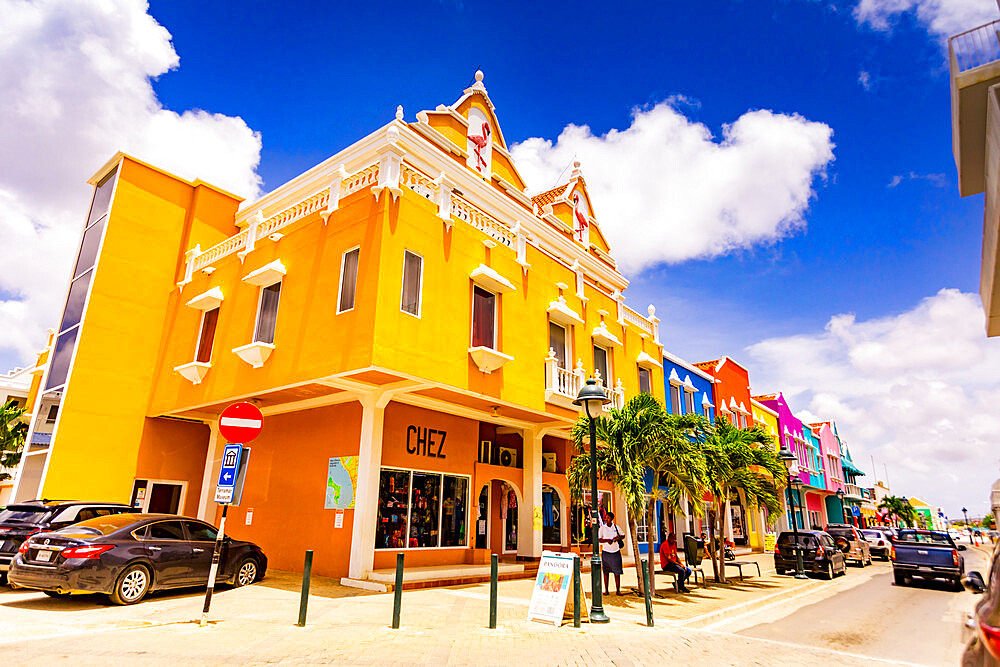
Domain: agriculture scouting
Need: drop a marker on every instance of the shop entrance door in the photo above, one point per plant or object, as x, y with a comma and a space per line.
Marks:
483, 522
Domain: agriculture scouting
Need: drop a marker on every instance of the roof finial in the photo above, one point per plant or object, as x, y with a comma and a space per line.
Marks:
479, 76
399, 112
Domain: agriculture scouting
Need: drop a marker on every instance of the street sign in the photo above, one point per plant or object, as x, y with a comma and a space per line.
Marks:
240, 422
228, 473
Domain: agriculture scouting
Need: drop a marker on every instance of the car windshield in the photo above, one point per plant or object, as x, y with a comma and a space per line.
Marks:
787, 539
104, 525
846, 533
24, 514
873, 534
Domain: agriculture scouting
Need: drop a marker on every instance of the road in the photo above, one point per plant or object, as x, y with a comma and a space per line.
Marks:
865, 614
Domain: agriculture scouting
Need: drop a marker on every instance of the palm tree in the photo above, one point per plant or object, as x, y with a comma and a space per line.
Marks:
899, 508
740, 461
12, 433
635, 441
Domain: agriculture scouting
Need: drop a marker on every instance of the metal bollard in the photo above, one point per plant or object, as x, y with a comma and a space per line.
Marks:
397, 598
306, 577
649, 603
493, 591
577, 592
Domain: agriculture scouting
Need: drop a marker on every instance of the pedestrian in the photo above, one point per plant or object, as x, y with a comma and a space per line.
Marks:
670, 562
611, 539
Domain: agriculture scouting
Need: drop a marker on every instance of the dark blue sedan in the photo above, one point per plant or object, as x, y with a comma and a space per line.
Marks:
128, 555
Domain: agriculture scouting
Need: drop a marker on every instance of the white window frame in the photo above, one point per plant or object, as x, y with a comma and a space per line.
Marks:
689, 402
567, 337
676, 391
201, 328
260, 303
420, 285
496, 316
649, 377
608, 383
340, 287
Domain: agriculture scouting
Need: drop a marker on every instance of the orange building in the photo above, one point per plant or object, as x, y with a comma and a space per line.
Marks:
412, 325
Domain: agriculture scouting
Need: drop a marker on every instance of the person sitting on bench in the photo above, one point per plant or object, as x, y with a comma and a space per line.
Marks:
671, 562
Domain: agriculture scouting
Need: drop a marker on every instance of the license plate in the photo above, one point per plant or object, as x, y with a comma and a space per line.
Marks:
43, 556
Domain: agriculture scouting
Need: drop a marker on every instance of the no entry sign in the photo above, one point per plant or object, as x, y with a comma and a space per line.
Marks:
240, 422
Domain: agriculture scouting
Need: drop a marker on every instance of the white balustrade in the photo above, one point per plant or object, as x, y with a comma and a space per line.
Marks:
634, 318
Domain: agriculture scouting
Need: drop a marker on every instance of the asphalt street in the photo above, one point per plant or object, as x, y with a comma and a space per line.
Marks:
866, 614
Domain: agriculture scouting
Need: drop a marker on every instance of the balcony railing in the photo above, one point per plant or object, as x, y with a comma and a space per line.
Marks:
853, 491
977, 47
562, 385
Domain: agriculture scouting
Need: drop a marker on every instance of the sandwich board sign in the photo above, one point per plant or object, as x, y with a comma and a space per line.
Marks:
552, 585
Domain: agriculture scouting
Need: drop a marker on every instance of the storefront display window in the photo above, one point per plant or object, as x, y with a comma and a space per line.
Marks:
421, 510
551, 518
580, 516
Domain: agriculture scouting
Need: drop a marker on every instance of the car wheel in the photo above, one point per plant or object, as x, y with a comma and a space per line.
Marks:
56, 594
829, 571
132, 585
900, 579
246, 573
956, 585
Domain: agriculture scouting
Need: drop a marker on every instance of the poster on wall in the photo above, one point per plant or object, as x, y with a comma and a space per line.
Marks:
341, 480
770, 542
548, 597
736, 512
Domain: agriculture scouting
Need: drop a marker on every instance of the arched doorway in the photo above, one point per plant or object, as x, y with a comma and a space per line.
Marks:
497, 507
553, 511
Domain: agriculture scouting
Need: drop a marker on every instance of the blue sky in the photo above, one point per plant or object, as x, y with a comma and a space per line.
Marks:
847, 280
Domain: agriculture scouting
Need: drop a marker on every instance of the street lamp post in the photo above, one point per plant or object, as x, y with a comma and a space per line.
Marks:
593, 399
785, 456
843, 511
965, 513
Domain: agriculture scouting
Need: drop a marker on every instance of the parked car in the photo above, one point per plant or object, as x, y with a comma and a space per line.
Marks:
128, 555
859, 550
984, 647
19, 520
820, 554
878, 542
929, 554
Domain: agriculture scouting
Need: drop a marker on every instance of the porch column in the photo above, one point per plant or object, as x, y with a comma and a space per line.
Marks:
529, 540
366, 496
213, 459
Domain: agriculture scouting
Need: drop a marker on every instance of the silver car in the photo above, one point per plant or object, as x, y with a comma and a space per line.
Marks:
878, 541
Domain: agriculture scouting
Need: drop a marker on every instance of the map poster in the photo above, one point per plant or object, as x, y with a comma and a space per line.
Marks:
555, 577
341, 480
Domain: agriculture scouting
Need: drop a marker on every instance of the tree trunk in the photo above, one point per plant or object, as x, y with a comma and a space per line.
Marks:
720, 520
711, 551
650, 534
633, 531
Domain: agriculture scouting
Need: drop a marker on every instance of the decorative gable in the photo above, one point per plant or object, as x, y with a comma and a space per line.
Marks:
569, 207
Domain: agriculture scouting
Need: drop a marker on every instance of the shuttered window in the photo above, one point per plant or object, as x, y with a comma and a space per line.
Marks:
348, 279
207, 337
483, 318
267, 314
412, 270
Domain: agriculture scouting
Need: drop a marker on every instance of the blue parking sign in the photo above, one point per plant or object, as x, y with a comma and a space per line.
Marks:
228, 473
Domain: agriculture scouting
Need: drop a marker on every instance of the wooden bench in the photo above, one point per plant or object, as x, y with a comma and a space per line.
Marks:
740, 564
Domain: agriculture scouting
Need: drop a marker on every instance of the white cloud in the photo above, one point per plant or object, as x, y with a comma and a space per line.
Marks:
918, 391
939, 180
865, 79
942, 18
76, 81
665, 190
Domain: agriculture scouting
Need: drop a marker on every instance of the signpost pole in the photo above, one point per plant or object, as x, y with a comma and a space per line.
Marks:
217, 551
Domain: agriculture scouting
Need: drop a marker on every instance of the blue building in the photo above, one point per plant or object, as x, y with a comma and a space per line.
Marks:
688, 389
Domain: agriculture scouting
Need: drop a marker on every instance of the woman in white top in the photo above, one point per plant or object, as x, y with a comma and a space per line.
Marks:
611, 557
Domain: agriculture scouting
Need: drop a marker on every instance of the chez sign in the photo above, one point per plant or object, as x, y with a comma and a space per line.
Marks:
423, 441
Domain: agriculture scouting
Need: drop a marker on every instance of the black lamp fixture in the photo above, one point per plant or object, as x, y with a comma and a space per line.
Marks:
592, 400
786, 456
843, 510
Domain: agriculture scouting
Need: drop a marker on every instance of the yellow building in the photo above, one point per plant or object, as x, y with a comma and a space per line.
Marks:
402, 313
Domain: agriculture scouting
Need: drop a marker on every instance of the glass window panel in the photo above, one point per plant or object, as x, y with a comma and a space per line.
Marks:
557, 341
349, 279
689, 400
166, 530
454, 512
268, 314
483, 318
393, 507
412, 266
644, 385
102, 198
88, 248
675, 399
61, 356
601, 364
201, 532
75, 301
425, 506
207, 338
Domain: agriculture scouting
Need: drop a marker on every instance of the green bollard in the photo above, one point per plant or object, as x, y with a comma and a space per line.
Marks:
397, 592
645, 588
306, 577
577, 592
493, 591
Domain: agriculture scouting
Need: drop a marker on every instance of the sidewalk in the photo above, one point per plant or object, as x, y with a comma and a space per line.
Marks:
439, 626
